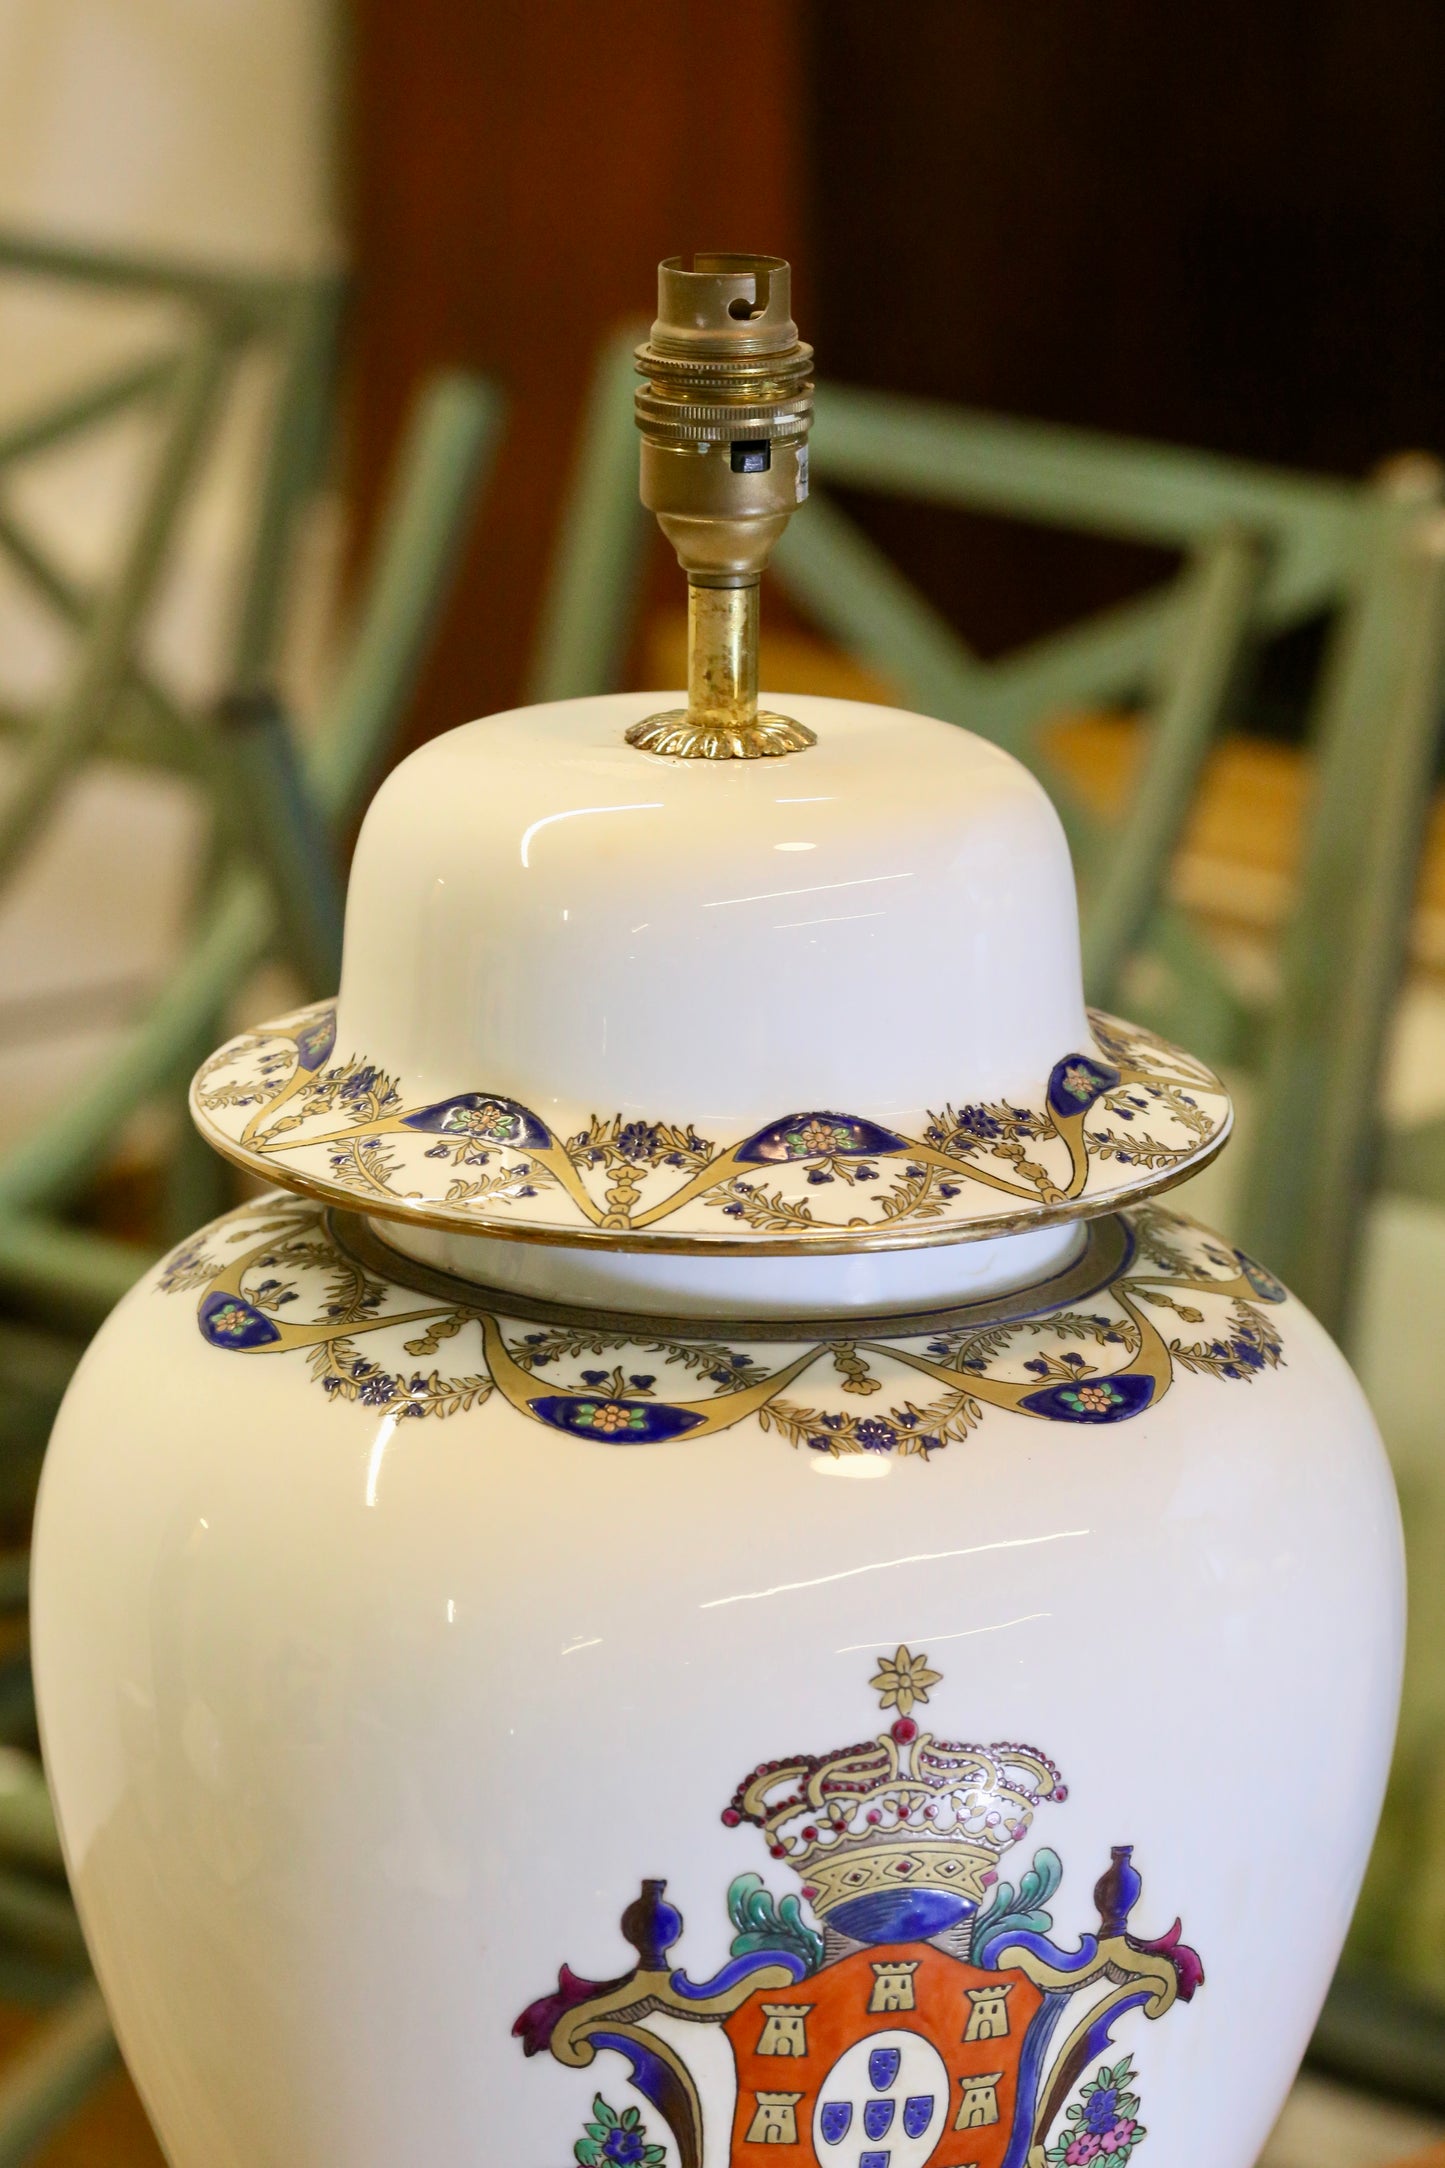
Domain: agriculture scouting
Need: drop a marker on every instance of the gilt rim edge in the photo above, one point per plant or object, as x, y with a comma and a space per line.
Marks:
342, 1199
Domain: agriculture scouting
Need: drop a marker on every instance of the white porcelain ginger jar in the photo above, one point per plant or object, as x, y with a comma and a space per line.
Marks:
710, 1577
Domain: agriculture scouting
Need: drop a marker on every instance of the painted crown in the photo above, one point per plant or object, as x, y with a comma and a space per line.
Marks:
900, 1836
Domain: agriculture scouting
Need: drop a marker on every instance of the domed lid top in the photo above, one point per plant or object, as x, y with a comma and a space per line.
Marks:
832, 1002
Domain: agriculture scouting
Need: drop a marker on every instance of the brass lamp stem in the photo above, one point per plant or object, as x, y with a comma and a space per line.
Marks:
722, 654
721, 719
724, 413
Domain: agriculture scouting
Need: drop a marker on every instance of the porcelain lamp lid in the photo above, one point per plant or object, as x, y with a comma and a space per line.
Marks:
592, 994
709, 976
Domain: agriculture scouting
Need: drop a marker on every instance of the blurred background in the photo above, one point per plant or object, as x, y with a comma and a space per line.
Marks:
315, 439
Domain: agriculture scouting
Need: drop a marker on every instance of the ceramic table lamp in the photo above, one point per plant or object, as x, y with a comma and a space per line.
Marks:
708, 1573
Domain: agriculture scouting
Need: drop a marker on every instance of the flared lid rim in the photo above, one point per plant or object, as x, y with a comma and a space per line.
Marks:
1116, 1122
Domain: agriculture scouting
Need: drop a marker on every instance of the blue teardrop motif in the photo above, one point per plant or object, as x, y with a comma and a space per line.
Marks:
226, 1321
1077, 1081
485, 1117
818, 1136
315, 1040
1264, 1284
613, 1422
1093, 1400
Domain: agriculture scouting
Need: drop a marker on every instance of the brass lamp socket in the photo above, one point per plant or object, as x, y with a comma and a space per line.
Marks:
724, 411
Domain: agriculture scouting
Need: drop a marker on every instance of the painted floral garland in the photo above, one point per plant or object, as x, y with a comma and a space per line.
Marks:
1153, 1296
1115, 1123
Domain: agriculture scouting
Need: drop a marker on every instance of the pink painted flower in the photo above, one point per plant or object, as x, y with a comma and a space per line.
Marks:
1084, 2149
1115, 2140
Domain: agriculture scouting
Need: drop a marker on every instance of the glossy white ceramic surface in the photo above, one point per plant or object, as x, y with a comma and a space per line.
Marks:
360, 1727
880, 923
393, 1629
868, 1280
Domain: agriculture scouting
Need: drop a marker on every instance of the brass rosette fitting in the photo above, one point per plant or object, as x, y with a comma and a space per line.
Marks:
724, 410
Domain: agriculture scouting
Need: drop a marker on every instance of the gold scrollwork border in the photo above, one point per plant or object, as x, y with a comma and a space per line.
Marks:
825, 1244
611, 1230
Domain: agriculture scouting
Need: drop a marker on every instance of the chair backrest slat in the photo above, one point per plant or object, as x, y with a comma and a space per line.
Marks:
83, 706
1062, 477
1263, 550
589, 606
1312, 1160
1224, 580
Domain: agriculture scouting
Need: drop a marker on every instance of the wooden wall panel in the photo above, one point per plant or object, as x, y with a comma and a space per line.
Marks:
1220, 225
518, 167
1224, 224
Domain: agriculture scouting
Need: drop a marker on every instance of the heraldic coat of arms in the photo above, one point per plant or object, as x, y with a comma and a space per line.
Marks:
907, 2005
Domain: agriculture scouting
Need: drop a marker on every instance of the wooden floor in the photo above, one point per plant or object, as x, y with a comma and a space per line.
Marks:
109, 2131
1241, 845
1327, 2125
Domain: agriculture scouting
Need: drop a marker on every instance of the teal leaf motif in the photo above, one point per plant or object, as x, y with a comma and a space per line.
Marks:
1022, 1911
763, 1923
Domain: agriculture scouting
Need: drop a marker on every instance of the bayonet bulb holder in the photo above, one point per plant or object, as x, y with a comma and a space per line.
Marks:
724, 411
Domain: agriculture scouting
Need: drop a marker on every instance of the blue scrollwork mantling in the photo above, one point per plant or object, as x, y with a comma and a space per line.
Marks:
738, 1968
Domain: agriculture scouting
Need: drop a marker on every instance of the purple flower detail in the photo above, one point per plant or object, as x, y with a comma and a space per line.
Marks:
1099, 2109
638, 1141
623, 2146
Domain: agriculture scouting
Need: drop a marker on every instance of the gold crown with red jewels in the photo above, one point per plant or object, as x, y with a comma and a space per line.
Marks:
900, 1835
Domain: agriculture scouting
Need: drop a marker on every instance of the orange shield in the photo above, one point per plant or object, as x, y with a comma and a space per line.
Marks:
895, 2056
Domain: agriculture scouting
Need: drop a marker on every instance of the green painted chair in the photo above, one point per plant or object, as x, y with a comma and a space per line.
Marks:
294, 808
270, 885
1319, 1144
280, 810
208, 324
1260, 551
204, 326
